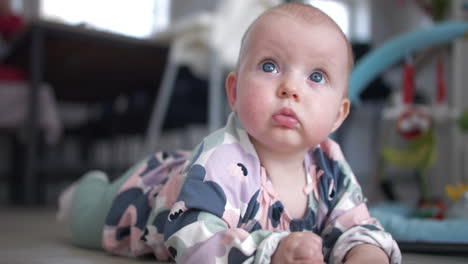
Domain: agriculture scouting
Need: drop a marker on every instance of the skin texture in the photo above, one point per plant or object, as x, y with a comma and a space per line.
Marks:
366, 254
289, 92
304, 247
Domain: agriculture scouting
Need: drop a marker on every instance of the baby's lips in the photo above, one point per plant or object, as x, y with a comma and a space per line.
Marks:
285, 120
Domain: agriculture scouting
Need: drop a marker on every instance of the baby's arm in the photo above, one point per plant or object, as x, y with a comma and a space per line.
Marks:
347, 224
202, 237
351, 233
366, 253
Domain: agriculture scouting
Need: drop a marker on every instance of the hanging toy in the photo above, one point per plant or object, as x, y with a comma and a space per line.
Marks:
441, 112
413, 121
414, 124
440, 82
408, 81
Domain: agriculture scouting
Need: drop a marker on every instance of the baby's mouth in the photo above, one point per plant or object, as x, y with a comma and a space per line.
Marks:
285, 117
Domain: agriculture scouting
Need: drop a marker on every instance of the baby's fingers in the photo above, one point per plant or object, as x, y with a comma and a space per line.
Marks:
308, 261
309, 250
309, 256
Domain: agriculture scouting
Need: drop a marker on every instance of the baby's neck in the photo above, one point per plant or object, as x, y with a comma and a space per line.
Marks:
289, 181
280, 163
288, 176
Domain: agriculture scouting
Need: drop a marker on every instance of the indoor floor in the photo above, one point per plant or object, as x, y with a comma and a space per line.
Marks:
31, 235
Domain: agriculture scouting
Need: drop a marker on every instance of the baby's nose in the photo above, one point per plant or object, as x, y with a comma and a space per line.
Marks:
289, 89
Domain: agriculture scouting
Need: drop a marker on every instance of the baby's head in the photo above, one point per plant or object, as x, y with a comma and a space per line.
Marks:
290, 87
306, 14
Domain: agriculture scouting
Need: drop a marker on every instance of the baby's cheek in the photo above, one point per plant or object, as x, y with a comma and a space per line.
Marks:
321, 127
251, 117
253, 105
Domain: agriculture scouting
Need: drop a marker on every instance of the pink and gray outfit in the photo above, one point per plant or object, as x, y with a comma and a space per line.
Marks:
217, 205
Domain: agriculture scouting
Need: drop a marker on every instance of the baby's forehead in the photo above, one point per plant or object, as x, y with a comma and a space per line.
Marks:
309, 15
305, 19
305, 15
297, 12
302, 13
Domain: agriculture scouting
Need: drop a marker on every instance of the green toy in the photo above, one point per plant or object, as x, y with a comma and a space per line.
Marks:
420, 154
463, 121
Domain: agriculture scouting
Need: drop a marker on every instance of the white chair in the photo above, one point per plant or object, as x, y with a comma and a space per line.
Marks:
208, 43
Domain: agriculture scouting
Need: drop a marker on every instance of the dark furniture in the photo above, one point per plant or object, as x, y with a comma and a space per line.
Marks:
82, 65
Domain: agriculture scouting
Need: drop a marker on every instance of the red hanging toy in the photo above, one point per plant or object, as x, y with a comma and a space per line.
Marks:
413, 121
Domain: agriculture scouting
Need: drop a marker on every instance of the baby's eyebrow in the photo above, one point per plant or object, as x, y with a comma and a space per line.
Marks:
326, 62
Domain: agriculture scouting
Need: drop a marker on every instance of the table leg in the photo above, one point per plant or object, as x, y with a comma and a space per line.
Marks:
216, 97
35, 70
160, 107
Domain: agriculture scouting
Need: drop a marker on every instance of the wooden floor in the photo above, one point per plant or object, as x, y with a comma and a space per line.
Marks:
31, 235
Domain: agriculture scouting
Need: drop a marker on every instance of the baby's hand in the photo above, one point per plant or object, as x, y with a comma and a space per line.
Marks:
299, 247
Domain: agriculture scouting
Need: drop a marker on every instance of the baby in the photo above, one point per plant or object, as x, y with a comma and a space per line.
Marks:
268, 187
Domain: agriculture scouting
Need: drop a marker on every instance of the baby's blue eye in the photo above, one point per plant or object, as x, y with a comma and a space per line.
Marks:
316, 77
268, 67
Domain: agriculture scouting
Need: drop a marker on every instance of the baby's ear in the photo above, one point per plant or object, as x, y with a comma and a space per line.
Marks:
231, 91
342, 113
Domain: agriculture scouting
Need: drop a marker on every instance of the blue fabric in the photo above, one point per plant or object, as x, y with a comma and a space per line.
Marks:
397, 219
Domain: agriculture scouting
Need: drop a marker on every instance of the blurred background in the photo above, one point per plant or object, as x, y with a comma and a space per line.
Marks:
100, 84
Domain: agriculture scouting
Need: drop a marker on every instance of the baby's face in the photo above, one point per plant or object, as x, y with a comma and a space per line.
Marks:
290, 83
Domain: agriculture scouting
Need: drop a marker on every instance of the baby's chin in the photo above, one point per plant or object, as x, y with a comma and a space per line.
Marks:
282, 143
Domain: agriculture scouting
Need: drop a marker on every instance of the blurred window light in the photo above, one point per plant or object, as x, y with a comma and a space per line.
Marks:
360, 24
139, 19
16, 6
353, 17
337, 10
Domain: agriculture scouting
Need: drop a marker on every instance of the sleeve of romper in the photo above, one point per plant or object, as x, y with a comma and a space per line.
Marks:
347, 222
201, 227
